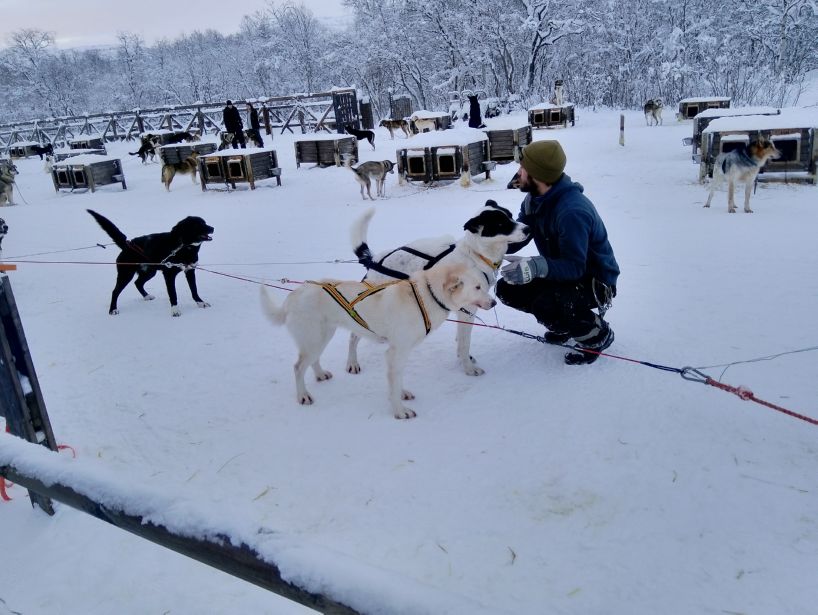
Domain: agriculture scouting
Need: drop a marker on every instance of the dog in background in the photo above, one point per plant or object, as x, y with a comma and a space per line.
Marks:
475, 118
147, 148
187, 166
7, 174
393, 125
225, 140
4, 229
184, 136
43, 150
423, 124
367, 171
401, 313
487, 236
741, 165
48, 164
361, 134
653, 111
252, 135
169, 253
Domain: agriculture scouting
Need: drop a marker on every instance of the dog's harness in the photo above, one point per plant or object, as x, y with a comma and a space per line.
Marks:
365, 258
331, 289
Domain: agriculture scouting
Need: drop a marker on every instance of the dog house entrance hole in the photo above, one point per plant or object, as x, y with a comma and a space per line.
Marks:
62, 178
417, 165
539, 117
446, 163
692, 111
729, 144
213, 168
555, 117
79, 177
788, 146
235, 169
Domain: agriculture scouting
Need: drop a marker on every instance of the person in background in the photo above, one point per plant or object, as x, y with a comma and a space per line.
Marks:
255, 126
575, 271
232, 123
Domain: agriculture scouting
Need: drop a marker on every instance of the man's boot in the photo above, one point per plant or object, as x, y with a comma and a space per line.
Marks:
590, 348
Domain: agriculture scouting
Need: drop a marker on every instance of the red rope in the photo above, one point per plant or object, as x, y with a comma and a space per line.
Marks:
746, 394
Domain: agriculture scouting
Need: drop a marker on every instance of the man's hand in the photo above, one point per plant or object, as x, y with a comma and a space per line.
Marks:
523, 269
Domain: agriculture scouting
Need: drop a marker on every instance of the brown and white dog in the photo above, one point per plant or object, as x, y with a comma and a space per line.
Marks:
393, 125
423, 124
400, 313
741, 165
187, 166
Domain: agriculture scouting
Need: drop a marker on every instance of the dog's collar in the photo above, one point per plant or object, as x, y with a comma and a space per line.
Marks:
438, 301
494, 265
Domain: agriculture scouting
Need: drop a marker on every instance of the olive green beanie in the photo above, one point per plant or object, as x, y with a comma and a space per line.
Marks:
544, 161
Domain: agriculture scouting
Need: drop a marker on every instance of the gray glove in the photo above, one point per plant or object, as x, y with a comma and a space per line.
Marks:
523, 269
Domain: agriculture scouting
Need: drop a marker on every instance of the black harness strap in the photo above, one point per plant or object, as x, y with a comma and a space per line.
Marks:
365, 258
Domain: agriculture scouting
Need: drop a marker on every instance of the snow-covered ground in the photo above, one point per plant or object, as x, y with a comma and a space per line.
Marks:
535, 488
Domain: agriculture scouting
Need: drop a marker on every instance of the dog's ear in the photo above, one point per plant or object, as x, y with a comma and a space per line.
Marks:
474, 225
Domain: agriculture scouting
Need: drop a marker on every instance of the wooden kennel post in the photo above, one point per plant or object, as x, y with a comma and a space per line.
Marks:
691, 107
506, 144
231, 167
87, 172
546, 115
793, 132
326, 150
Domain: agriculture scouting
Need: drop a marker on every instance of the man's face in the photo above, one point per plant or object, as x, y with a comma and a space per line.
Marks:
525, 181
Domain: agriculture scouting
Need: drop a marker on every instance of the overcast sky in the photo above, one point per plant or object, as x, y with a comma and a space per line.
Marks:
94, 22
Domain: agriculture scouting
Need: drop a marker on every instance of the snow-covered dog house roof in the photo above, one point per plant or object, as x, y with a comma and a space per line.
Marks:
691, 107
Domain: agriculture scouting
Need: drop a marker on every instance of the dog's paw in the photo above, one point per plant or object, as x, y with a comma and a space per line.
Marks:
203, 304
747, 210
305, 399
175, 311
406, 395
323, 375
354, 368
113, 312
473, 370
149, 297
731, 210
405, 413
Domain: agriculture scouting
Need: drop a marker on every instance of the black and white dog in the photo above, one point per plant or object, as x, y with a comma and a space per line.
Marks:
482, 247
4, 229
369, 135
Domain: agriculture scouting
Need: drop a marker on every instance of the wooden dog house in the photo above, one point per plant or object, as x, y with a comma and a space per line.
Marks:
63, 154
231, 167
546, 115
793, 132
506, 144
95, 142
173, 154
703, 119
22, 149
441, 119
455, 154
326, 150
691, 107
87, 172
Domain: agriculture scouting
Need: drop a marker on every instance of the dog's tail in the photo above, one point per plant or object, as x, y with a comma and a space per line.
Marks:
274, 312
360, 229
109, 227
134, 153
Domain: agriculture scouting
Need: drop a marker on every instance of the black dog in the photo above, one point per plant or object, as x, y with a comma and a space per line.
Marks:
361, 134
171, 252
4, 229
475, 120
43, 150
